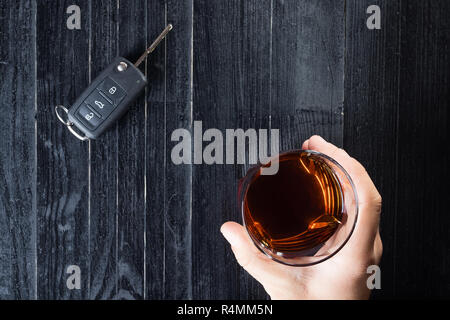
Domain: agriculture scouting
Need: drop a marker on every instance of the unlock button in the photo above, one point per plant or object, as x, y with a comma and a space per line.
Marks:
99, 104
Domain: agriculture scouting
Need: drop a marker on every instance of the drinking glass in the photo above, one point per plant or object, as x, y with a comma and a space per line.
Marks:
347, 200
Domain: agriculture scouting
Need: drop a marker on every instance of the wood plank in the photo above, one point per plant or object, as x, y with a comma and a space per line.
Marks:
131, 159
62, 160
103, 163
308, 71
371, 109
17, 145
231, 90
169, 105
155, 154
422, 218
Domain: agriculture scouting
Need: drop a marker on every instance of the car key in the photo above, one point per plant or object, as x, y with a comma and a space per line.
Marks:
108, 96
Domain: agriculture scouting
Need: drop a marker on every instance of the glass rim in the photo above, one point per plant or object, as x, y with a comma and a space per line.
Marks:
245, 183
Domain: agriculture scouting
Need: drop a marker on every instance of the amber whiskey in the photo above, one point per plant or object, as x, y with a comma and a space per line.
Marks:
298, 208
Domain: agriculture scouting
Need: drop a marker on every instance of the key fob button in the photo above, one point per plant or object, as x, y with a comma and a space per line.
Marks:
112, 91
88, 116
99, 104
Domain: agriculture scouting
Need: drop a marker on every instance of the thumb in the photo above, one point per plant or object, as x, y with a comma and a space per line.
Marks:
258, 265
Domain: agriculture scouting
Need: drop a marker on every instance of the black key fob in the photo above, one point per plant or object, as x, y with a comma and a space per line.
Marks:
108, 97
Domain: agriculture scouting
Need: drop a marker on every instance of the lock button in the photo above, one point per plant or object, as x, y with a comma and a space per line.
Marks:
88, 116
99, 104
112, 91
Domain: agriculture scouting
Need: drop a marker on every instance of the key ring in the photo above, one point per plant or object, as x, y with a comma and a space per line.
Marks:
67, 123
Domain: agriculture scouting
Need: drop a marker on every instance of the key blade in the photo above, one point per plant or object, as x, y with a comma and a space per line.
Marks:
154, 45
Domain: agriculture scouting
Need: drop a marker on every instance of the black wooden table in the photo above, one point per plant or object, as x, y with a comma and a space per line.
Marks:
141, 227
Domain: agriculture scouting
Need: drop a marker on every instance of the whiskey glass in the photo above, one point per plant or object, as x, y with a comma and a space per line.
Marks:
303, 216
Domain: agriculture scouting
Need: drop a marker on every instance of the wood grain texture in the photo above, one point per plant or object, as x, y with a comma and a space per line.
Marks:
308, 71
17, 151
422, 251
62, 161
169, 106
131, 150
103, 163
371, 109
